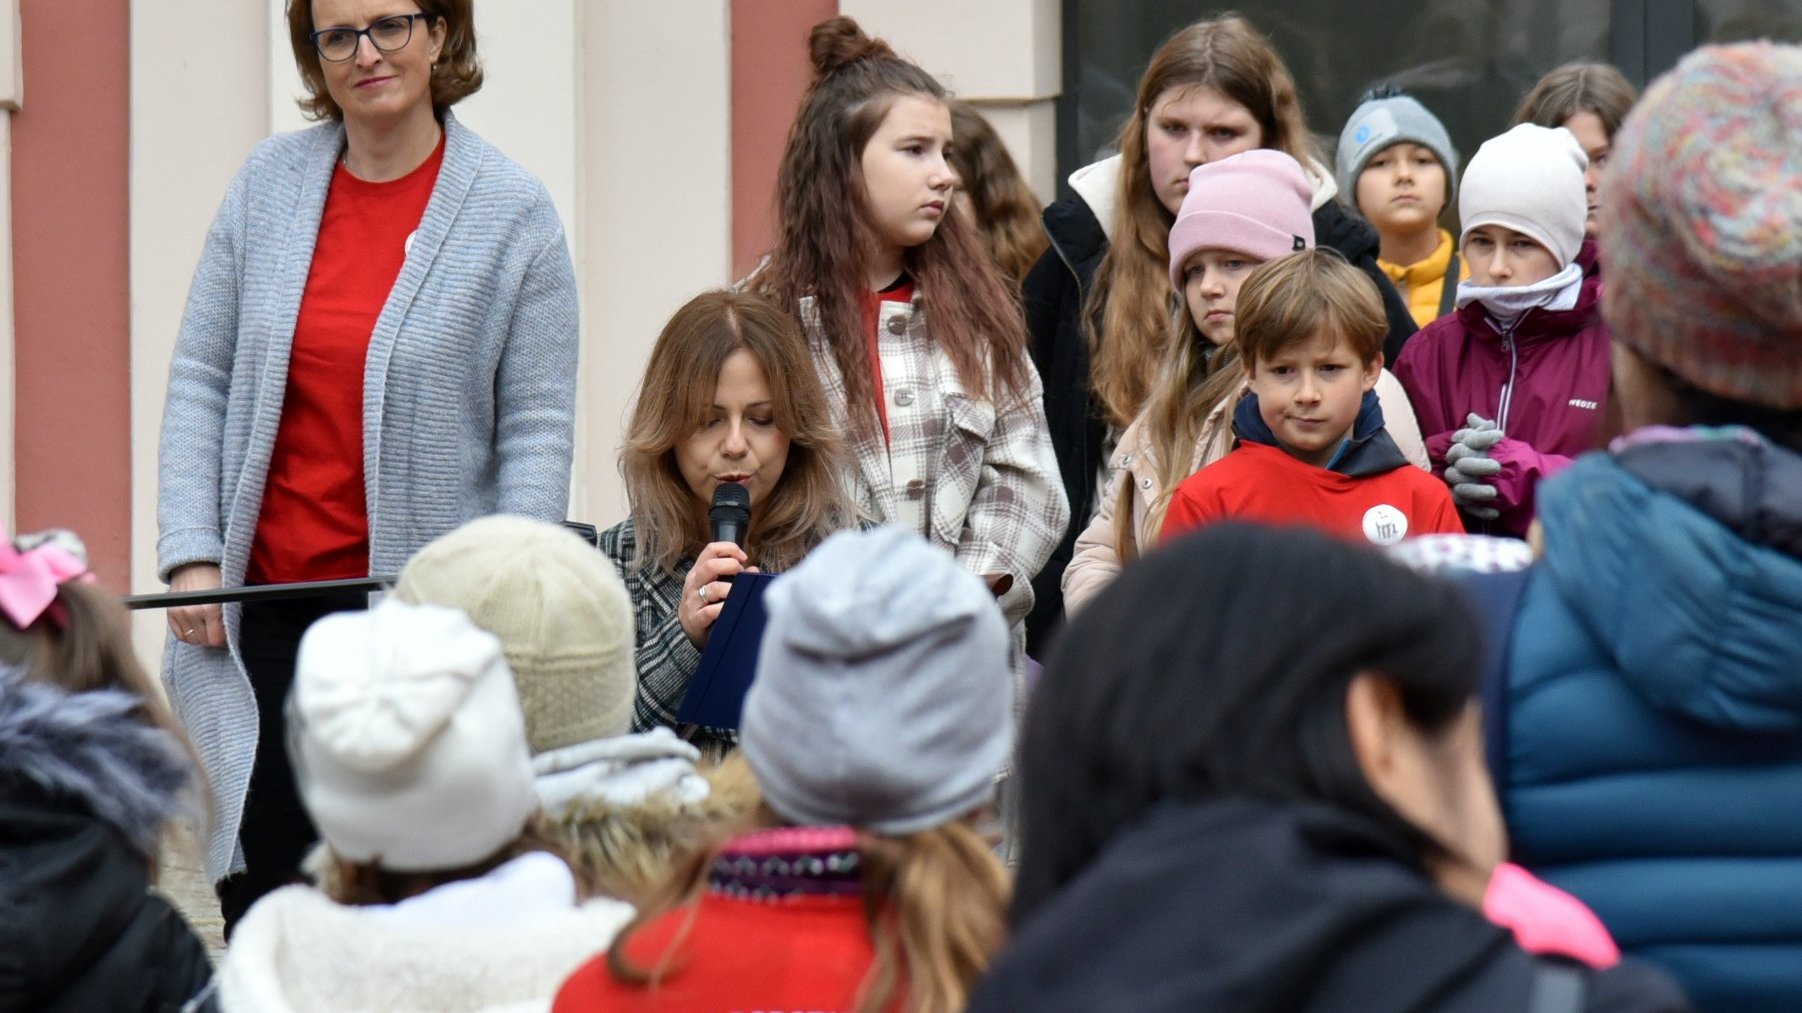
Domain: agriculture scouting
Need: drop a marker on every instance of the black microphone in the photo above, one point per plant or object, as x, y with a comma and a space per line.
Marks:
730, 513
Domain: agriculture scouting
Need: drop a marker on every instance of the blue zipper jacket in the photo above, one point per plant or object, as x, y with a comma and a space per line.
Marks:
1654, 760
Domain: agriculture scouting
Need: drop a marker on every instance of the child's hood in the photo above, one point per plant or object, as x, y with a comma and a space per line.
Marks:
1370, 451
1098, 185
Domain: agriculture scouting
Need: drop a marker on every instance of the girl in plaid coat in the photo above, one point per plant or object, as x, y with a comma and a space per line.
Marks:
916, 335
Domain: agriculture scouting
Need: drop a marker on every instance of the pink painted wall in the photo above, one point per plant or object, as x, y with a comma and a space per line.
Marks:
769, 73
71, 277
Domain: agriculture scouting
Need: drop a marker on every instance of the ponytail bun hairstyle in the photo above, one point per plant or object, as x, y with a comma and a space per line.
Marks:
825, 238
837, 43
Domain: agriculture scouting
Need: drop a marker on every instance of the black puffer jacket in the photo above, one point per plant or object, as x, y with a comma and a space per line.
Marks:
1359, 243
85, 789
1266, 907
1053, 294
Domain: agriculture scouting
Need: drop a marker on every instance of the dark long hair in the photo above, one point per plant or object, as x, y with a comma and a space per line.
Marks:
1218, 667
824, 236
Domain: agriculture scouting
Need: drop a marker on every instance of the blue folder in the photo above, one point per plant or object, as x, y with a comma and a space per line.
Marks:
716, 694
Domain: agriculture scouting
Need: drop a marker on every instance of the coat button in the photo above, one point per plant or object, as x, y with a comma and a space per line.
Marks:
1144, 483
897, 324
904, 396
916, 489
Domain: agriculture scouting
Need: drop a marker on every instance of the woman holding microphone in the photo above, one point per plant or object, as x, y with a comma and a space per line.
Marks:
379, 344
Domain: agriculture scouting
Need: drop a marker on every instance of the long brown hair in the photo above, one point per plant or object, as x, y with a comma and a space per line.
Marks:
456, 76
1129, 307
1579, 88
807, 504
996, 194
1193, 379
824, 238
935, 903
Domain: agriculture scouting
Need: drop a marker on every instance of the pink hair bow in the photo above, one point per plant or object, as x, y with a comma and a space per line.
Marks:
28, 578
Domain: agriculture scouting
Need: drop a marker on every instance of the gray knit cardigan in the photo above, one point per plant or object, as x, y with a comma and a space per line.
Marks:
468, 394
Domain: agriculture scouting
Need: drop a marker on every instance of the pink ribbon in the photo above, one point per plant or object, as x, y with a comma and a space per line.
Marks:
28, 579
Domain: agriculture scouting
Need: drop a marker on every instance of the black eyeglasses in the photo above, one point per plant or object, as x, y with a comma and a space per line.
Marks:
386, 35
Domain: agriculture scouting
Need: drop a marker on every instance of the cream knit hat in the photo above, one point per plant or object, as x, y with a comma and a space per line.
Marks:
1529, 179
408, 745
561, 612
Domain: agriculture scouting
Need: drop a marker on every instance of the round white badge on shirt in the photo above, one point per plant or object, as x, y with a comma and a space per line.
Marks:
406, 249
1385, 525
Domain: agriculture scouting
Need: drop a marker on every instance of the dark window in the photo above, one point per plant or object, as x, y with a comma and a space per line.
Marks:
1469, 61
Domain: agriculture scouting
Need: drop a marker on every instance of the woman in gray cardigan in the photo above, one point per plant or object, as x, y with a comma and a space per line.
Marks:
379, 344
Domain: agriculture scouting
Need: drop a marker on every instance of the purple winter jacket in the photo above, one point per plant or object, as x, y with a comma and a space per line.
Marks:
1545, 382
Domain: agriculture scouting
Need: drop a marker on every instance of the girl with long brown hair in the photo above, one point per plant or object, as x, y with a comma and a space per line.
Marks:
729, 395
881, 712
914, 330
992, 190
1099, 304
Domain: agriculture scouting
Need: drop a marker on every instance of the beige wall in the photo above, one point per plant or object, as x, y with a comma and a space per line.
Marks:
192, 123
1003, 56
655, 222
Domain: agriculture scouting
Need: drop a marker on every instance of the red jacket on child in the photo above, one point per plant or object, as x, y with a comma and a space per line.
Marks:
1369, 492
1544, 382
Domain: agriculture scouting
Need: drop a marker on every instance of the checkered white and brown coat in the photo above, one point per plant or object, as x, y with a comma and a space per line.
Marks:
976, 478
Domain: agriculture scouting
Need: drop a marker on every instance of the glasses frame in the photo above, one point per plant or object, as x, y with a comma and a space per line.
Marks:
364, 33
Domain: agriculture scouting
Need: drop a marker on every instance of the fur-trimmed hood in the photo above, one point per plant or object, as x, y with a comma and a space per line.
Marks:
94, 749
630, 851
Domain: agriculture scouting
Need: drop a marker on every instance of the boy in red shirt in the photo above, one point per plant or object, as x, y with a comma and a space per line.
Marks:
1312, 448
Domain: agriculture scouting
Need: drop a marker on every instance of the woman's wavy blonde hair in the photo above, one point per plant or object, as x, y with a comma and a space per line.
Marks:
935, 903
1129, 309
807, 504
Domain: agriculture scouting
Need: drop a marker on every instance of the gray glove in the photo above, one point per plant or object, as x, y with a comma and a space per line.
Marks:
1469, 467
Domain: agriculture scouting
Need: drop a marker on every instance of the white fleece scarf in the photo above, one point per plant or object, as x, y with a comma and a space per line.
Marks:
1506, 304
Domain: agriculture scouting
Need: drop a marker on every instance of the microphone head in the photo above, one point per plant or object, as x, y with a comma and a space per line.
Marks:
731, 496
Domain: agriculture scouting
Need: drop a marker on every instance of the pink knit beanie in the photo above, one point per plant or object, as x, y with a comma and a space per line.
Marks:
1256, 203
1701, 228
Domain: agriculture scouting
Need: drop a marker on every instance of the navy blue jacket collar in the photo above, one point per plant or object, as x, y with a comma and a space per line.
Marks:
1370, 451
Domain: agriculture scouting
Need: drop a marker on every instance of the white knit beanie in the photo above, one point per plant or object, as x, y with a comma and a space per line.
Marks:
409, 748
562, 614
1529, 179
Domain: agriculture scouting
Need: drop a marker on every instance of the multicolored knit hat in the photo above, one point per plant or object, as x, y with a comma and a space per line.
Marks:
1701, 231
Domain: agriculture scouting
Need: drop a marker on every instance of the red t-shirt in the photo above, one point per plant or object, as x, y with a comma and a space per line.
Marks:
1258, 482
796, 953
901, 291
315, 520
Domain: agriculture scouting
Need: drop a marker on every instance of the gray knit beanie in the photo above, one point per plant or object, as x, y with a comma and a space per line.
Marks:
1386, 118
884, 689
